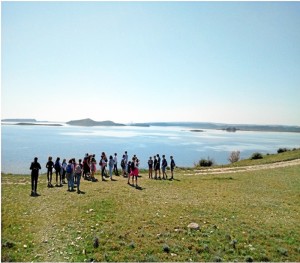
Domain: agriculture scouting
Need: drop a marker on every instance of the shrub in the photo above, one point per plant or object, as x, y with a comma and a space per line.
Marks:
234, 157
206, 162
282, 150
256, 156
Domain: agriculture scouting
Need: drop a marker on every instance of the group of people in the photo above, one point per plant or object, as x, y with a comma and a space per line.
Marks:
72, 171
159, 166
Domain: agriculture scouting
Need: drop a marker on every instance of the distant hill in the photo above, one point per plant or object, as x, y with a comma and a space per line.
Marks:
19, 120
90, 122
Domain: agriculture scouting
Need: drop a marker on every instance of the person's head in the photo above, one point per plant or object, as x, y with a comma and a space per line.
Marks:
150, 158
70, 161
110, 157
157, 155
57, 159
171, 157
115, 154
125, 152
79, 160
64, 160
35, 159
163, 156
49, 158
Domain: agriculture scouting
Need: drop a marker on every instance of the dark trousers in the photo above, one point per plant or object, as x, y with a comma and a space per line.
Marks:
116, 169
34, 181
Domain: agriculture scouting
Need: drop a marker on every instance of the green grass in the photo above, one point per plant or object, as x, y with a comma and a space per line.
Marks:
267, 159
242, 216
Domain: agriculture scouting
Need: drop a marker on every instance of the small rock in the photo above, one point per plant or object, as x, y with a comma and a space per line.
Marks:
96, 242
173, 254
193, 226
25, 246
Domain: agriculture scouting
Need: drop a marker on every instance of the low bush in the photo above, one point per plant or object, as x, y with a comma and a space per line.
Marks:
206, 162
256, 156
282, 150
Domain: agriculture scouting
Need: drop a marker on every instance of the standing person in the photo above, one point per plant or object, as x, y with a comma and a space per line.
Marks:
155, 167
126, 162
34, 167
102, 164
57, 167
150, 166
116, 165
49, 166
164, 165
172, 166
93, 169
86, 167
123, 165
70, 175
78, 172
134, 171
63, 171
158, 164
110, 166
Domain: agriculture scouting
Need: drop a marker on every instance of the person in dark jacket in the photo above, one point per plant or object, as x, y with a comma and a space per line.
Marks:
34, 167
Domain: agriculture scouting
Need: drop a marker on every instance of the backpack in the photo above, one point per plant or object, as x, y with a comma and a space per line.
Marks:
69, 169
78, 169
123, 163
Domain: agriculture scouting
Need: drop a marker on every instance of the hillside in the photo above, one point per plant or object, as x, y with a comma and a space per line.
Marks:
90, 122
247, 216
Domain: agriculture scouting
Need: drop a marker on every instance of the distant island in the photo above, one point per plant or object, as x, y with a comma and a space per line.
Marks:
192, 126
39, 124
19, 120
90, 123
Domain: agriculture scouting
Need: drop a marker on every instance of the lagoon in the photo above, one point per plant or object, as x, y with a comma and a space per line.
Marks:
20, 144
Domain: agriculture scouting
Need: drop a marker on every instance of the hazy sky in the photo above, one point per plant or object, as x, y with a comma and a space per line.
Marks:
233, 62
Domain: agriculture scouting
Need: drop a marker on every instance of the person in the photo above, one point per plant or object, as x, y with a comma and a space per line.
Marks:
158, 165
78, 171
49, 166
164, 165
134, 171
57, 167
63, 171
123, 166
86, 167
128, 171
70, 175
155, 167
93, 169
116, 165
150, 166
126, 162
34, 167
172, 166
110, 166
102, 164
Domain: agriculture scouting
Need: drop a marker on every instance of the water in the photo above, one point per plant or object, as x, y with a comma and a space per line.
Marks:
20, 144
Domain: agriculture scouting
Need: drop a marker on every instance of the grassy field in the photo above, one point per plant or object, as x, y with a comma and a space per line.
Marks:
249, 216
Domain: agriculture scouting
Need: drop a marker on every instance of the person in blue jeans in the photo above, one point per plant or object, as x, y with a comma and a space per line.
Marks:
70, 175
78, 172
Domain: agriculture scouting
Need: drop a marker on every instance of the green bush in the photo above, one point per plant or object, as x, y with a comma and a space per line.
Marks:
206, 162
256, 156
282, 150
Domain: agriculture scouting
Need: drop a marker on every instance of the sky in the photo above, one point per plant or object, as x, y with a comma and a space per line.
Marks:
225, 62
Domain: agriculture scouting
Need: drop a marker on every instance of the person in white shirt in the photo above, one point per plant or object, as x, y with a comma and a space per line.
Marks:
116, 165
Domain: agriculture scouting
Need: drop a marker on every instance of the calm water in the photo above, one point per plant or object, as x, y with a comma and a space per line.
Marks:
20, 144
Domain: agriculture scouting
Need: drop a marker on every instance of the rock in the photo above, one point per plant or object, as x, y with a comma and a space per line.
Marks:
166, 248
96, 242
193, 226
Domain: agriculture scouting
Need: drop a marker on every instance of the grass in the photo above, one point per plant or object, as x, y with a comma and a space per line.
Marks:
242, 217
267, 159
